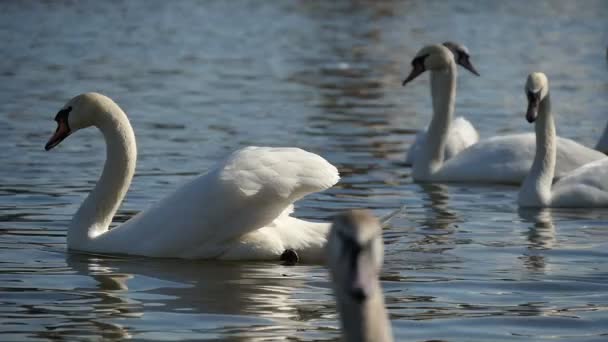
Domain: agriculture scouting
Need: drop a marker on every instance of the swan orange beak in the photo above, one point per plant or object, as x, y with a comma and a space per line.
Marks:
533, 104
62, 132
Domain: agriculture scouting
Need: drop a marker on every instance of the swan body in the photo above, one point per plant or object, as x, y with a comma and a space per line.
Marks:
240, 209
355, 254
586, 186
501, 159
461, 133
507, 159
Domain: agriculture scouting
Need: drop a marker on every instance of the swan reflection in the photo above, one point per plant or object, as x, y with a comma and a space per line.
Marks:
238, 299
540, 236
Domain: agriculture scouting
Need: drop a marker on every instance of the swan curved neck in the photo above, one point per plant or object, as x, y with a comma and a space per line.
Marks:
96, 212
537, 185
443, 94
367, 320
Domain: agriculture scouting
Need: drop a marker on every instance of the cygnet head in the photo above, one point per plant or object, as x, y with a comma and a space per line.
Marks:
80, 112
355, 254
431, 57
537, 88
461, 56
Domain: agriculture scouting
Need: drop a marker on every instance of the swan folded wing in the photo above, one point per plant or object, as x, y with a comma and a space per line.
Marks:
502, 159
266, 181
415, 148
287, 173
462, 135
269, 242
594, 173
571, 155
507, 159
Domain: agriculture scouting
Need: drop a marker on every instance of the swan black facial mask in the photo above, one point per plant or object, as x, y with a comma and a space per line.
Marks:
417, 68
533, 104
461, 55
463, 59
63, 129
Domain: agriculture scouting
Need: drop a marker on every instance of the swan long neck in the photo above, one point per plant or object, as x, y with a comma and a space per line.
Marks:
443, 94
540, 178
96, 212
367, 320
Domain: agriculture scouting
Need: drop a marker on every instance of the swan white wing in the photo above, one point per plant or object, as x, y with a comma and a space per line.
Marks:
572, 155
245, 192
502, 159
462, 134
507, 159
415, 148
307, 238
586, 186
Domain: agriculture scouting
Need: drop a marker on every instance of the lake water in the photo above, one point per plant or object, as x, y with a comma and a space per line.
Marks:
201, 79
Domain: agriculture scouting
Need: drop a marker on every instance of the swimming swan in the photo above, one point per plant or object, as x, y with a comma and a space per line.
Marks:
586, 186
461, 133
501, 159
240, 209
354, 254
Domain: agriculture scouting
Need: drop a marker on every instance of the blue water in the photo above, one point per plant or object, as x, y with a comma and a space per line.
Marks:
201, 79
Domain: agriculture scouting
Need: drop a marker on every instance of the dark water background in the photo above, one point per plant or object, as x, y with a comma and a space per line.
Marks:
202, 78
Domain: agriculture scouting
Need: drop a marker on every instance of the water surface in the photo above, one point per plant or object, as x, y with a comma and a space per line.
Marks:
201, 79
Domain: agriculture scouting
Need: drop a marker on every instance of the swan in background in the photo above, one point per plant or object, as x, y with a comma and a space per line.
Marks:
586, 186
602, 145
501, 159
355, 254
461, 133
240, 209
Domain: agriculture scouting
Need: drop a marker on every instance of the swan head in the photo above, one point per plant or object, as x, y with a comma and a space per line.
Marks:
461, 56
80, 112
355, 254
537, 88
431, 57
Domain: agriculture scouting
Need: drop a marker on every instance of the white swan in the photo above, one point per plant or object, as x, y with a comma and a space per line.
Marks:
461, 133
586, 186
501, 159
602, 144
354, 254
240, 209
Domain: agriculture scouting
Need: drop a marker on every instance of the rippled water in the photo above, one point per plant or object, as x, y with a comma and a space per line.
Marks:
200, 79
